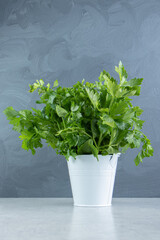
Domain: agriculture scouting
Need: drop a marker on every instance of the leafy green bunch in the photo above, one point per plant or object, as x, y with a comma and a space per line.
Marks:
88, 118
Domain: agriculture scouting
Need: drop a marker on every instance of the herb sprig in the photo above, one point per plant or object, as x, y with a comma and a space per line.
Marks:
88, 118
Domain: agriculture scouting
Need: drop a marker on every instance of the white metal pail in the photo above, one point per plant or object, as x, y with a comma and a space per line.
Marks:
92, 181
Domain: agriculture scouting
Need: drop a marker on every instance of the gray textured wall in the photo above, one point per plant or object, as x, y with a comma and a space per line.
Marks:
69, 40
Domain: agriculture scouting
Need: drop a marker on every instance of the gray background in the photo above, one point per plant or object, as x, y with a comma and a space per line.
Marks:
70, 40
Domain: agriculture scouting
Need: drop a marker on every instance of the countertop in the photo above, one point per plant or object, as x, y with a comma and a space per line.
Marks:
58, 219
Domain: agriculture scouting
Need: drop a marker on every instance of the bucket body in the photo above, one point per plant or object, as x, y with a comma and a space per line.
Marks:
92, 181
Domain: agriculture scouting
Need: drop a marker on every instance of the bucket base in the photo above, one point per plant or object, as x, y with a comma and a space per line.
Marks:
80, 205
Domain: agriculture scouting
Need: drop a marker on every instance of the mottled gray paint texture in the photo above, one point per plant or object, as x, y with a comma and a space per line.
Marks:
69, 40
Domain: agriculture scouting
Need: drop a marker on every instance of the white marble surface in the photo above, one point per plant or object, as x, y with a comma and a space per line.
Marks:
58, 219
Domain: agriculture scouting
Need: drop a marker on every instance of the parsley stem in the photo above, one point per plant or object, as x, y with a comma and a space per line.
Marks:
100, 140
77, 129
111, 102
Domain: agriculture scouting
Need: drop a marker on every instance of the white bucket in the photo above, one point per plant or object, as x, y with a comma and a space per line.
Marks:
92, 181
